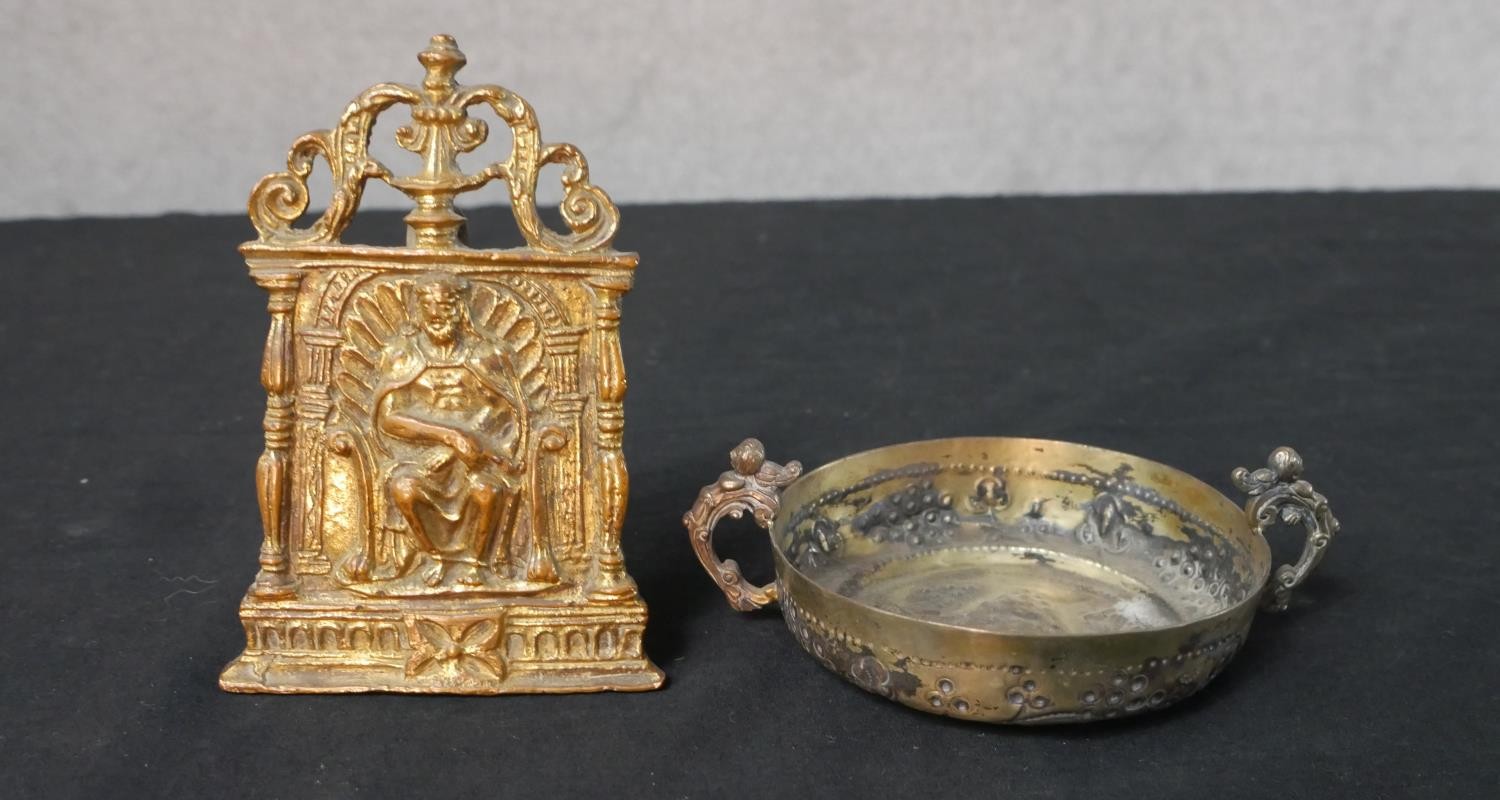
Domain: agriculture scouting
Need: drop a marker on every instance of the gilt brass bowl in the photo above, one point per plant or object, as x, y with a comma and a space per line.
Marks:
1014, 580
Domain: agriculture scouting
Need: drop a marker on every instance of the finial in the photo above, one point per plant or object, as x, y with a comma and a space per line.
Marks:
440, 131
443, 60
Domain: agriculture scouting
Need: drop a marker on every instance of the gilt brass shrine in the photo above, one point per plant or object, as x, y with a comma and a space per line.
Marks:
442, 486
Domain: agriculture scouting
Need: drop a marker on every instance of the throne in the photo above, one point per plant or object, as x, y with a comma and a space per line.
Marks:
442, 487
389, 557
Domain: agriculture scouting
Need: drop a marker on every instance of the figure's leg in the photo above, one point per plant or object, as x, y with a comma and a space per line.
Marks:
407, 493
485, 497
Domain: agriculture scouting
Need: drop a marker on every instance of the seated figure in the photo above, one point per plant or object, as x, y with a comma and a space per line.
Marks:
447, 412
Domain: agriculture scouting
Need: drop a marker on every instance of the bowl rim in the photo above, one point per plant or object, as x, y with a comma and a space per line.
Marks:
1258, 542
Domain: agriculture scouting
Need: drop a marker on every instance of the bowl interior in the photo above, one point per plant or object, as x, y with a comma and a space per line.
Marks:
1021, 537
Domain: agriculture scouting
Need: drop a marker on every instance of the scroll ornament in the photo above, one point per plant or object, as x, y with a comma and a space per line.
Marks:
440, 130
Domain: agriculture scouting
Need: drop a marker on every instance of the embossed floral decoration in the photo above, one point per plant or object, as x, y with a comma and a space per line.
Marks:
457, 648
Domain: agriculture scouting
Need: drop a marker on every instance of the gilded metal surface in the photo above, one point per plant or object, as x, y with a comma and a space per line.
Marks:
442, 486
1014, 580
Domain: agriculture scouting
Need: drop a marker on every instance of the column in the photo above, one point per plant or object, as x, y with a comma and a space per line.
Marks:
609, 578
314, 401
568, 404
274, 580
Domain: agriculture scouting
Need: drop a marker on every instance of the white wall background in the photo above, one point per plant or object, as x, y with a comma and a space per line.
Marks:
119, 107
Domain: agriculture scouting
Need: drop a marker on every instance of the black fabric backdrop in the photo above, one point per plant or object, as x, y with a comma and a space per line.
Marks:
1198, 331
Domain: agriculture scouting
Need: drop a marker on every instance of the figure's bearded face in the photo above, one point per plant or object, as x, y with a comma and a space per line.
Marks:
440, 316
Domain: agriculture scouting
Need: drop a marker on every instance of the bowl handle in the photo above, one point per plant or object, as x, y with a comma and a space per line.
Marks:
1278, 494
753, 485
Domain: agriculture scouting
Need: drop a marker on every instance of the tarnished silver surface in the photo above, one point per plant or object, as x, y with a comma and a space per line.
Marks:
1278, 494
1014, 580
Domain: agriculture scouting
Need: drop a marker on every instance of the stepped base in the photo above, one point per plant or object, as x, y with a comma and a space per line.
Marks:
475, 645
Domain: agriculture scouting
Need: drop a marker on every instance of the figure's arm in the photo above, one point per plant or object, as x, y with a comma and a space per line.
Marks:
509, 437
505, 454
404, 426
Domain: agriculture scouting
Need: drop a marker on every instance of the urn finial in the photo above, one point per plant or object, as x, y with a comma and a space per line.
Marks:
443, 60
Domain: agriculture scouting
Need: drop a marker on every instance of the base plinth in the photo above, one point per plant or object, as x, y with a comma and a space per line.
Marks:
476, 645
